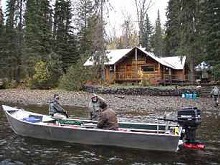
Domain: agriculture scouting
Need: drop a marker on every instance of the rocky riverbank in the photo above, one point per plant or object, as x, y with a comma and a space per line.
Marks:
129, 104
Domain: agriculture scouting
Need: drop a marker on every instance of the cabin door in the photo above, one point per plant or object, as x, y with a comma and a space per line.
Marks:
128, 71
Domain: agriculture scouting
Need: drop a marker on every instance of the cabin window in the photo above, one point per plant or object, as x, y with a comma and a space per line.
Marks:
147, 68
111, 68
166, 70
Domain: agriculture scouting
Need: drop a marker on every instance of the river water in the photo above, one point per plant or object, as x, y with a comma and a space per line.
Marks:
18, 150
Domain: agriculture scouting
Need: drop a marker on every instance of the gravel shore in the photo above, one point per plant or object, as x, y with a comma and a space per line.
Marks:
138, 104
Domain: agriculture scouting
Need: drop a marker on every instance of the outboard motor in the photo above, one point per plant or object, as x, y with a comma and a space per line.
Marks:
190, 118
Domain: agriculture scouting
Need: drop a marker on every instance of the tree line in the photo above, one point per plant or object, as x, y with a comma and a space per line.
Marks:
44, 44
42, 41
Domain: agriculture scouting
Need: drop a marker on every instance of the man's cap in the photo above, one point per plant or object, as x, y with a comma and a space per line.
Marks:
56, 96
94, 95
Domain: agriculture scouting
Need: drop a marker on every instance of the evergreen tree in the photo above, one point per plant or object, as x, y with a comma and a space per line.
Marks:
85, 21
14, 39
182, 31
147, 33
45, 19
157, 38
188, 34
172, 33
65, 42
91, 33
1, 16
210, 23
142, 7
2, 44
38, 32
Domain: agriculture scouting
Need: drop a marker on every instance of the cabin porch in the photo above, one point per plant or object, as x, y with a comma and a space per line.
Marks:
154, 78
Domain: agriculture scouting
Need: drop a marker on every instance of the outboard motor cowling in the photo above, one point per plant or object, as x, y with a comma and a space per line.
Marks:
189, 118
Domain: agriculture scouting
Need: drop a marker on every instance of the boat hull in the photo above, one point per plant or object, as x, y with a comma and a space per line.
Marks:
93, 136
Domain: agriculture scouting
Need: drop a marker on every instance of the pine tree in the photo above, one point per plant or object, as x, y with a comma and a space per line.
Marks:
182, 32
1, 15
142, 7
210, 23
14, 39
85, 22
38, 32
157, 38
172, 33
91, 32
147, 33
38, 26
65, 42
188, 34
2, 44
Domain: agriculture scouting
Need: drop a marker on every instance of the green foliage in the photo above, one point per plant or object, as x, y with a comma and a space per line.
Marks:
172, 38
64, 39
216, 72
85, 23
157, 39
13, 38
145, 82
46, 73
76, 76
210, 23
41, 76
147, 33
38, 31
182, 34
4, 83
3, 60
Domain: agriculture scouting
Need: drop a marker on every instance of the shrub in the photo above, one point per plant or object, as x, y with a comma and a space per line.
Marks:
216, 72
45, 77
145, 82
75, 78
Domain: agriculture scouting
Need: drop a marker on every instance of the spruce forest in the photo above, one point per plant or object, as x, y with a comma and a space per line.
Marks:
44, 43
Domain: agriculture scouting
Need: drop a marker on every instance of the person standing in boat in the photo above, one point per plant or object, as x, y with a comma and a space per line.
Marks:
215, 93
94, 106
56, 110
108, 118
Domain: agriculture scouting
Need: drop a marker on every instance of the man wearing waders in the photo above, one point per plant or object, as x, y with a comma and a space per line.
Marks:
94, 106
215, 93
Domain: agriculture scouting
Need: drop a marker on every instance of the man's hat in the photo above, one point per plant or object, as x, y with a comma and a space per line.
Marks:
56, 96
94, 95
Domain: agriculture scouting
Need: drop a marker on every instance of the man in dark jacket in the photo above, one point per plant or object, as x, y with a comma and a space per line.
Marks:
108, 118
55, 109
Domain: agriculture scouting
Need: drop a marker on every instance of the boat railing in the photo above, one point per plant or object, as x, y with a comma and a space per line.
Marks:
157, 128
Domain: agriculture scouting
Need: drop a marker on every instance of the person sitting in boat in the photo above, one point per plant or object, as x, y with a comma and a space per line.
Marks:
108, 118
94, 106
56, 110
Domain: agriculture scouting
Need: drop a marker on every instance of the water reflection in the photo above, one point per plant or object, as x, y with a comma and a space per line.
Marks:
16, 149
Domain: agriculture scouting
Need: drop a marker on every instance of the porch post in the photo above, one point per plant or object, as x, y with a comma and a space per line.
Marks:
136, 69
115, 74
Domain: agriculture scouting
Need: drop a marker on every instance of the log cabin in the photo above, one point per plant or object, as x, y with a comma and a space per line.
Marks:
138, 65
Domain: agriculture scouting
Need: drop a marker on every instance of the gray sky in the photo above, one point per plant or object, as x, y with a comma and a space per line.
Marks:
125, 7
